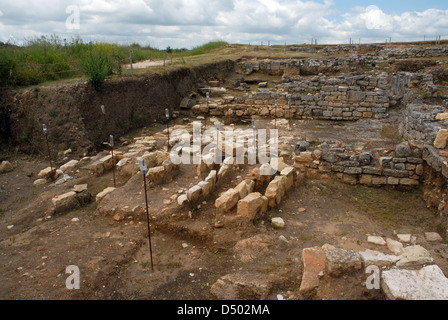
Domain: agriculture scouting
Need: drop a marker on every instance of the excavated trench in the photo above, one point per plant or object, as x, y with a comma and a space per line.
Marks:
252, 260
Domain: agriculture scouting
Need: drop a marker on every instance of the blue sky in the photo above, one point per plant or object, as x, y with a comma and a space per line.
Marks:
393, 6
188, 23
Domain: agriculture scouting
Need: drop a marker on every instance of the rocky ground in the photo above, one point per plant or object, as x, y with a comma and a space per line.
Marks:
193, 257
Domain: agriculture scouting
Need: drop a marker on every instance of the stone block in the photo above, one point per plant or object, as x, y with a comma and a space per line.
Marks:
313, 265
228, 200
65, 201
100, 196
340, 261
441, 139
250, 205
428, 283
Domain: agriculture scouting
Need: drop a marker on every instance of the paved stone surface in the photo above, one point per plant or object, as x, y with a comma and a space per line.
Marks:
428, 283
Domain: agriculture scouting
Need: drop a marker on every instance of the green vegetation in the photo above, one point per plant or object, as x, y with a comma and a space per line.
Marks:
50, 58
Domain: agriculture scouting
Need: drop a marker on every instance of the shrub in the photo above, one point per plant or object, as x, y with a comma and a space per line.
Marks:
7, 67
97, 66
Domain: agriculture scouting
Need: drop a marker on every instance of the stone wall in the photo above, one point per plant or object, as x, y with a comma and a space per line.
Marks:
400, 167
409, 53
318, 97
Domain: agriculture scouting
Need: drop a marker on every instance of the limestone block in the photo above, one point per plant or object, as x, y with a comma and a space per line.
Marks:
65, 201
228, 200
100, 196
313, 265
428, 283
250, 205
376, 258
69, 165
414, 256
156, 174
340, 261
376, 240
441, 139
194, 193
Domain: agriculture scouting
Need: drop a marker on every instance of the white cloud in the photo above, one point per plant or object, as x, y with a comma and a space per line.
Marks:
186, 23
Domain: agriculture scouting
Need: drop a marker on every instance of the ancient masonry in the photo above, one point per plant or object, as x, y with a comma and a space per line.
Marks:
329, 89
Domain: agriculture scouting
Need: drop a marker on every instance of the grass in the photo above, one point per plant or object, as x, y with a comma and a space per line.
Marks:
50, 58
384, 205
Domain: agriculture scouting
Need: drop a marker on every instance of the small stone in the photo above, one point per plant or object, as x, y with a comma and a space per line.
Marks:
6, 166
379, 259
75, 220
406, 238
184, 245
442, 116
441, 139
433, 237
414, 256
340, 261
40, 182
80, 188
394, 246
10, 227
100, 196
278, 223
182, 200
376, 240
69, 165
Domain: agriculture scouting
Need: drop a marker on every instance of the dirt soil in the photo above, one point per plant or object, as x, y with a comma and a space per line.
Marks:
189, 254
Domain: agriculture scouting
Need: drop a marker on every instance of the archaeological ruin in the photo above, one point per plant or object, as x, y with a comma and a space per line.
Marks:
348, 201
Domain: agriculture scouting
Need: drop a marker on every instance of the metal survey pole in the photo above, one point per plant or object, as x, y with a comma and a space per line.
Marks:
167, 114
44, 128
143, 169
113, 159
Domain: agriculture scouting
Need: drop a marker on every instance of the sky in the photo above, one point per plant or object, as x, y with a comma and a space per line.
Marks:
190, 23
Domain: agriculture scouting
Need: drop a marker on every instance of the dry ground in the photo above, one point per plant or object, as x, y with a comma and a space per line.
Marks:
189, 255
